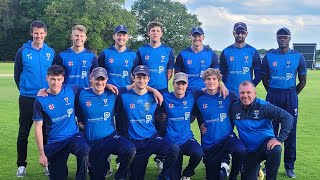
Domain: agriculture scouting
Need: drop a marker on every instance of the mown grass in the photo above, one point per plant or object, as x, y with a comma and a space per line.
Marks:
307, 151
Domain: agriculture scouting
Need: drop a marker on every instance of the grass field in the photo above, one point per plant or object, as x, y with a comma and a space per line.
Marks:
308, 152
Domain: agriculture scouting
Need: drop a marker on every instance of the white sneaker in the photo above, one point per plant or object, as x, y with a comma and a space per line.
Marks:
226, 167
159, 165
21, 172
185, 178
46, 171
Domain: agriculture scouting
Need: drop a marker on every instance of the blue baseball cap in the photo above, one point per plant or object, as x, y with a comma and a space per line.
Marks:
99, 72
120, 28
197, 29
283, 31
141, 70
240, 26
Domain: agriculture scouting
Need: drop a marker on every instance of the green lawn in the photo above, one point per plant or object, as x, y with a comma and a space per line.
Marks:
308, 127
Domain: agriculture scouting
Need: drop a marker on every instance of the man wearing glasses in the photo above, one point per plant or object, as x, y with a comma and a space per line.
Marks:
279, 71
239, 61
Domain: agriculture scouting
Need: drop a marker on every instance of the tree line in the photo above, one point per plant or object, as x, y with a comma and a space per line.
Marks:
100, 17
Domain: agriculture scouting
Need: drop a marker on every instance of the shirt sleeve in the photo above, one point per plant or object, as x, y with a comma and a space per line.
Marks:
214, 61
178, 65
223, 67
257, 68
94, 63
102, 59
37, 111
171, 60
302, 69
265, 66
277, 114
18, 67
78, 111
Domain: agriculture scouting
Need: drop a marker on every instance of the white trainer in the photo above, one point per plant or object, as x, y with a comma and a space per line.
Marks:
21, 172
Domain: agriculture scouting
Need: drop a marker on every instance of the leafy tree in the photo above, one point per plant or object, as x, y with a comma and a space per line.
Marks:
174, 16
99, 16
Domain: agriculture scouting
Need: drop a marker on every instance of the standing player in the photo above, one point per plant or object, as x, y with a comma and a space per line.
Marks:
280, 69
77, 61
138, 125
56, 113
178, 106
218, 137
253, 117
118, 60
239, 61
96, 109
157, 57
30, 67
196, 59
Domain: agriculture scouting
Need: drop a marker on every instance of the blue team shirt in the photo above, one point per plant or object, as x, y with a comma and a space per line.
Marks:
214, 111
118, 65
194, 64
30, 68
255, 123
57, 114
159, 60
97, 112
238, 65
139, 111
178, 112
282, 69
77, 66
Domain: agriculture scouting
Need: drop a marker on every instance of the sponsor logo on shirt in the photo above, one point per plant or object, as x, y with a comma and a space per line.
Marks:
146, 106
83, 74
84, 62
126, 62
148, 118
288, 76
223, 116
106, 115
288, 64
202, 63
186, 115
246, 58
245, 70
69, 111
124, 74
238, 115
220, 104
161, 69
185, 103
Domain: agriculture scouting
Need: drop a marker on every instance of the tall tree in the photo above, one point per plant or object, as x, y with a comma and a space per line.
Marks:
175, 17
98, 16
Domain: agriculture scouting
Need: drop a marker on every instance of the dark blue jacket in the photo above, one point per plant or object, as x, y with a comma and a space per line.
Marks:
30, 68
254, 123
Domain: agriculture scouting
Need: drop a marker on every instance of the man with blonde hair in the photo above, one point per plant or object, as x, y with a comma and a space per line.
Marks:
77, 61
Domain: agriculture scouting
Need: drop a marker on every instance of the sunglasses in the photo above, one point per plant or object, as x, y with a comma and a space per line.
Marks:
283, 37
241, 32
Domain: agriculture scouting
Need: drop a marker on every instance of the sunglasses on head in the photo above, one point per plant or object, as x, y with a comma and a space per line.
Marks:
240, 32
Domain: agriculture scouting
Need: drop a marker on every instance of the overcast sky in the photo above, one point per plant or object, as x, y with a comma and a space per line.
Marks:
263, 18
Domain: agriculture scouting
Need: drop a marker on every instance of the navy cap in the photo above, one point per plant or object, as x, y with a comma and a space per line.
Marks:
197, 29
240, 26
99, 72
283, 31
141, 70
120, 28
